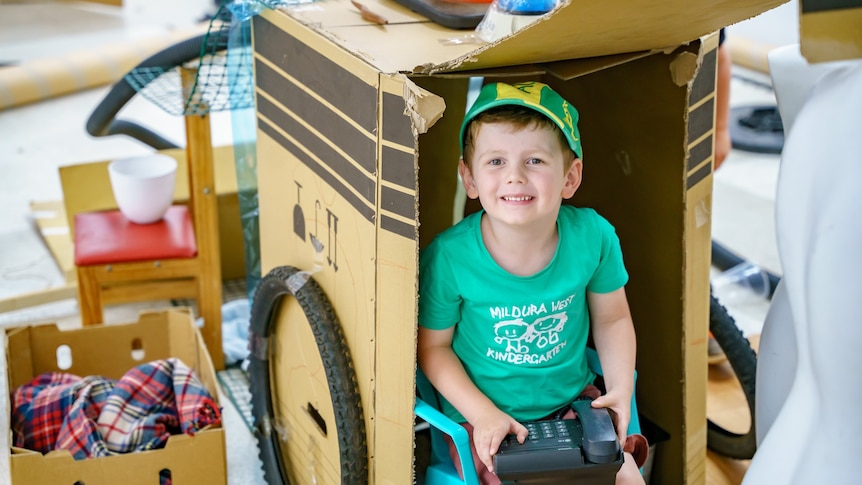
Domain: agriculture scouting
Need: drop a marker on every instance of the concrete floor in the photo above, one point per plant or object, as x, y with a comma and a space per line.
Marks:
36, 139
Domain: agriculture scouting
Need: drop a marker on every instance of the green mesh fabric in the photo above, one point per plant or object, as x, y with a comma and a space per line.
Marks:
224, 80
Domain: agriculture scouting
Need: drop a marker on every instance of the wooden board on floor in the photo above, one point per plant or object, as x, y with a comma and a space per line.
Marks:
727, 405
50, 219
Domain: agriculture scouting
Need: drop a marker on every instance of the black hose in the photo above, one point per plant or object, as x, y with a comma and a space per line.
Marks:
103, 122
724, 259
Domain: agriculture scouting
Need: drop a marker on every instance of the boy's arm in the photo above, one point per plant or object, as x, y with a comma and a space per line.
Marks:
614, 337
445, 371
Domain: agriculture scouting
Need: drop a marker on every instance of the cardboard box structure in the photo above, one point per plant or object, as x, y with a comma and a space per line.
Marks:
110, 351
357, 166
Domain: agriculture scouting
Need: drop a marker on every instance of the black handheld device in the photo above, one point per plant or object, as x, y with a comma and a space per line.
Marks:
585, 449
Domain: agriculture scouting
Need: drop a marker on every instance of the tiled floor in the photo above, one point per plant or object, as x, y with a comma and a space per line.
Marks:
36, 139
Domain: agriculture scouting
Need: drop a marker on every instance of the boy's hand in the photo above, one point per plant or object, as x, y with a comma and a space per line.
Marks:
620, 407
490, 430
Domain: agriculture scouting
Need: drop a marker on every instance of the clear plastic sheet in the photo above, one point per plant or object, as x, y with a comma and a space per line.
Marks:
245, 144
505, 17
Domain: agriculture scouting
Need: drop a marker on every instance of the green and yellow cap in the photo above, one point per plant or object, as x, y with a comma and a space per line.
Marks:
530, 94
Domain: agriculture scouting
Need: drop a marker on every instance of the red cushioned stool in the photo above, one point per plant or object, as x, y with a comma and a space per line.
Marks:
108, 237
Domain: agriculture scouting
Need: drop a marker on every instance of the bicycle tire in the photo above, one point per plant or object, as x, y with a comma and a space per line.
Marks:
271, 292
743, 361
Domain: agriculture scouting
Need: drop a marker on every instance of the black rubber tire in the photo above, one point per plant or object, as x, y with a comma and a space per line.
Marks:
756, 129
341, 378
743, 360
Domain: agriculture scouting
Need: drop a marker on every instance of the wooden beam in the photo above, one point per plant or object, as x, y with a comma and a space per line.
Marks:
36, 298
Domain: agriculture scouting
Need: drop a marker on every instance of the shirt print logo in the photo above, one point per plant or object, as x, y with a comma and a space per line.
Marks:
529, 342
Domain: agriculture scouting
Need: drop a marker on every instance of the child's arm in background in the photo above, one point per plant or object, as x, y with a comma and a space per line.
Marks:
445, 371
614, 337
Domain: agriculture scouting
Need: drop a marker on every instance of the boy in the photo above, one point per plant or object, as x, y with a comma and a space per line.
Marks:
509, 295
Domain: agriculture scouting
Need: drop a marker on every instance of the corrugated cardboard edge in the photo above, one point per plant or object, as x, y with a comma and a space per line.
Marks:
423, 107
684, 67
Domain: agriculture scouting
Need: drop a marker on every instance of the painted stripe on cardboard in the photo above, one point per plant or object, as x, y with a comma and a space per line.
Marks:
334, 128
700, 126
398, 168
699, 152
338, 86
398, 202
704, 82
397, 227
700, 121
397, 127
810, 6
332, 159
698, 175
364, 210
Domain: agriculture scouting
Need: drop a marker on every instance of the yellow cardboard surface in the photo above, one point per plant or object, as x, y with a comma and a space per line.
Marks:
320, 244
107, 350
830, 31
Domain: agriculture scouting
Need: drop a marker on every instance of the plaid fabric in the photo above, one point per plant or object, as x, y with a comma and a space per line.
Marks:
96, 416
40, 408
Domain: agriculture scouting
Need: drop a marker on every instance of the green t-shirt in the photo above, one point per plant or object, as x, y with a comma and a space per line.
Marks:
521, 339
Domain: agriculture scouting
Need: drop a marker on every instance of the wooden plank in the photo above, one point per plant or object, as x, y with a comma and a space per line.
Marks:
150, 291
50, 218
37, 298
725, 398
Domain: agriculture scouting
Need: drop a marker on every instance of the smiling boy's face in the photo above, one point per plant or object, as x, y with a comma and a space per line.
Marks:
520, 175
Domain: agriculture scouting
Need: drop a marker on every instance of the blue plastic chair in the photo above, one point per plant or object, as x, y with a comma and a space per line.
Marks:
441, 470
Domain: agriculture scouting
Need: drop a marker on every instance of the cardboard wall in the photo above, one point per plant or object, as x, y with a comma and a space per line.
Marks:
647, 168
321, 191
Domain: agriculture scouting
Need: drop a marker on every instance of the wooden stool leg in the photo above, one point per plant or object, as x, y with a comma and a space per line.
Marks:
89, 296
209, 306
202, 197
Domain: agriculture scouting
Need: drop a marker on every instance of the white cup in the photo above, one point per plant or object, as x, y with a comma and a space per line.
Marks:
143, 186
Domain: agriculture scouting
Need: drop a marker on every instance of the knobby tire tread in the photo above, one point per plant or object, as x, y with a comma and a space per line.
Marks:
743, 361
340, 376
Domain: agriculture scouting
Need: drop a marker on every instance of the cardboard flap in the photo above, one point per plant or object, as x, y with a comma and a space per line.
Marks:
581, 29
422, 106
592, 28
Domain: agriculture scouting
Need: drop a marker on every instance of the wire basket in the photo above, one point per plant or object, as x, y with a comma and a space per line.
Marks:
224, 80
